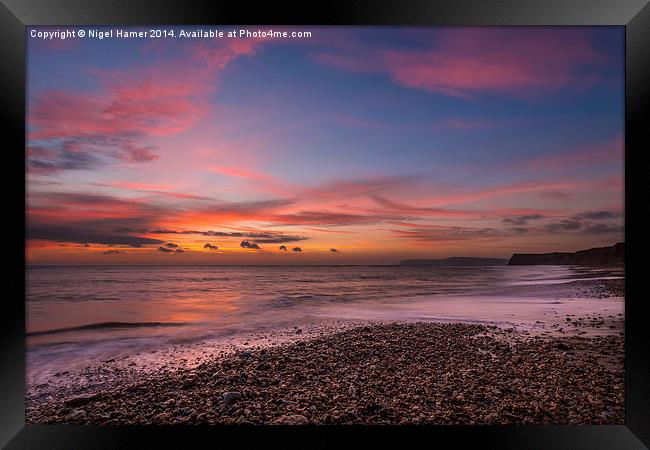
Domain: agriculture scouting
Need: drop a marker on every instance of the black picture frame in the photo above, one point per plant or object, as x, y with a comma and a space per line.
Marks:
634, 15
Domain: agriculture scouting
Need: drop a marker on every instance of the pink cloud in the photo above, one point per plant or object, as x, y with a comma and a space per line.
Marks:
402, 208
328, 218
436, 233
502, 191
330, 191
464, 63
607, 152
128, 108
61, 207
324, 230
59, 44
362, 186
372, 199
460, 124
145, 103
219, 56
263, 181
240, 173
115, 122
136, 186
163, 190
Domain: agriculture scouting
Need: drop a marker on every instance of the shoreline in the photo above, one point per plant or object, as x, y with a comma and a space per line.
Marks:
130, 368
594, 321
267, 370
569, 345
534, 307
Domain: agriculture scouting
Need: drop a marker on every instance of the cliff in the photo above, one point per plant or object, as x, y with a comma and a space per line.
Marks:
455, 261
602, 256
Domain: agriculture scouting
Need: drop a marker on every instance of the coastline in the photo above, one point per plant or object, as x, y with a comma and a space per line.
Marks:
359, 372
559, 360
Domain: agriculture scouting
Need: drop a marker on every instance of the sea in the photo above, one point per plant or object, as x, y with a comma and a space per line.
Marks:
78, 315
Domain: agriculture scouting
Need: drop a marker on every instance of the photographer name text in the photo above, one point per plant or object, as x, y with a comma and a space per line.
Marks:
167, 33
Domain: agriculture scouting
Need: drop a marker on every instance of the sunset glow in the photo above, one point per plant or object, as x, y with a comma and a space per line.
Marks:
349, 147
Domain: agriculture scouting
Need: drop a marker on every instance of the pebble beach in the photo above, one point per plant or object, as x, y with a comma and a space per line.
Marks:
383, 373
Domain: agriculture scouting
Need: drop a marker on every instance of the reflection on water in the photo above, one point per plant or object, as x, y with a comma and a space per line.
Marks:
84, 313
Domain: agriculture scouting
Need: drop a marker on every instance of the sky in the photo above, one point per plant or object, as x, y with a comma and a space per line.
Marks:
359, 145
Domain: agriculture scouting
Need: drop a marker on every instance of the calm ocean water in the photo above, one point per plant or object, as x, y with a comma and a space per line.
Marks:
89, 313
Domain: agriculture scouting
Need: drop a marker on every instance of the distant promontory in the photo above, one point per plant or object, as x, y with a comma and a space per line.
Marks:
601, 256
455, 261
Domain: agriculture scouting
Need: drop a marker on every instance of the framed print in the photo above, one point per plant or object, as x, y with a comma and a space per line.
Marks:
363, 223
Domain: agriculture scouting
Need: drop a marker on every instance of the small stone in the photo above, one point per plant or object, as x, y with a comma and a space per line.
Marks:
162, 417
75, 415
231, 397
291, 419
80, 399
